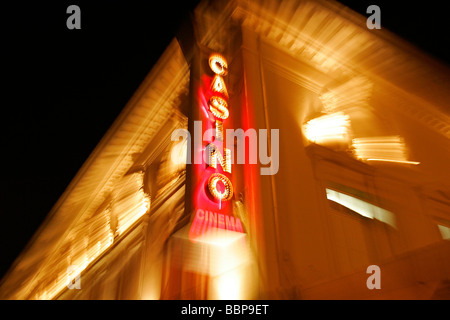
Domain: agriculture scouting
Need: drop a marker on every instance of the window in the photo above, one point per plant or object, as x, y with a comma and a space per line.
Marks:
445, 232
361, 207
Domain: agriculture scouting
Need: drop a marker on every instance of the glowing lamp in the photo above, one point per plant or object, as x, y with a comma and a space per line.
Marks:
330, 128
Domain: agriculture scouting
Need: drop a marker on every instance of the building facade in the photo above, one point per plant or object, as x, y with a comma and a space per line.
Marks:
351, 170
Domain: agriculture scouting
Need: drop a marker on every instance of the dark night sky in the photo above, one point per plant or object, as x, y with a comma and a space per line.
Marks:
64, 88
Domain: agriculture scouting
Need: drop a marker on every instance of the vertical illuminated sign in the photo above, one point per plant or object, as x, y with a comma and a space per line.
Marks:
218, 106
214, 184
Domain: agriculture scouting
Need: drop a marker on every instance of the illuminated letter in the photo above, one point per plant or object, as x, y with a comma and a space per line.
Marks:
74, 21
218, 85
218, 64
221, 221
227, 194
212, 219
229, 223
239, 225
374, 280
196, 224
200, 214
218, 107
373, 22
219, 130
214, 155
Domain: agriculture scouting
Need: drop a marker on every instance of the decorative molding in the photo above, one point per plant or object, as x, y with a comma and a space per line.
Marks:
336, 44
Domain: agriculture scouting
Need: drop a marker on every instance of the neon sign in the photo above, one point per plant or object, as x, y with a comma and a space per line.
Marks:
215, 188
219, 108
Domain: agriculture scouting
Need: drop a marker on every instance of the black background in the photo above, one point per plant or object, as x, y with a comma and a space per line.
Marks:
62, 89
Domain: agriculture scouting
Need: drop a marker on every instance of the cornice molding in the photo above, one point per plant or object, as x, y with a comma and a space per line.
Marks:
336, 44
